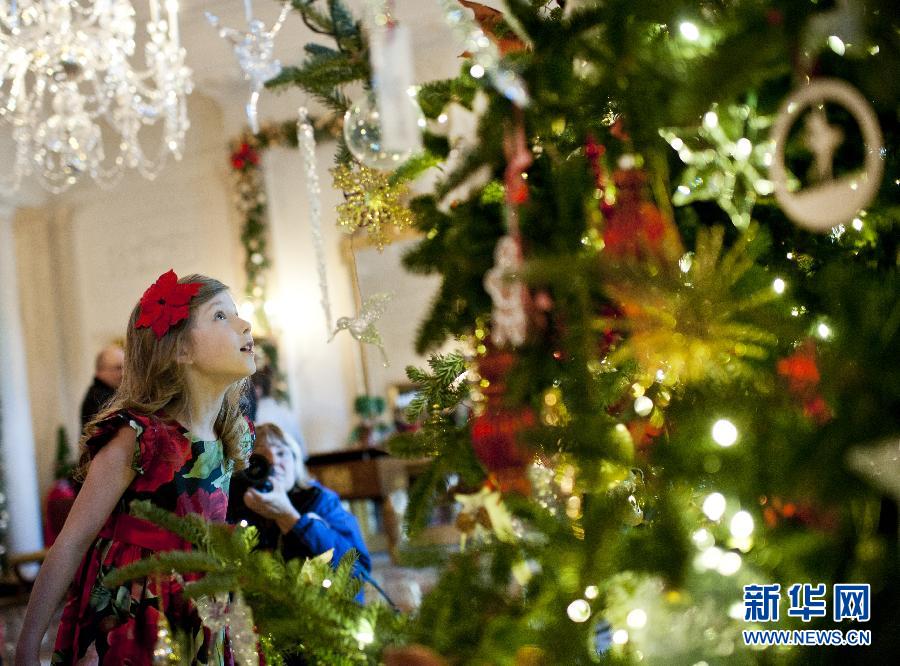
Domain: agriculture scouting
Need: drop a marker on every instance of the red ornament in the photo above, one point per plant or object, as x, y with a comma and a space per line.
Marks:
165, 303
778, 511
494, 366
801, 372
636, 229
800, 369
495, 433
57, 505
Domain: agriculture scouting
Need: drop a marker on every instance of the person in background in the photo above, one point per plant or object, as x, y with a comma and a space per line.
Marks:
107, 376
299, 516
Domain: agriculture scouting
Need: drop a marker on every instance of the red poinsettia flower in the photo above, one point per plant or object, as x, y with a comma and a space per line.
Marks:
162, 455
166, 303
243, 156
212, 506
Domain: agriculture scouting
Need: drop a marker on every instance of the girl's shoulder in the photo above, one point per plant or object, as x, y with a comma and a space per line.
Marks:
161, 445
144, 425
248, 436
121, 418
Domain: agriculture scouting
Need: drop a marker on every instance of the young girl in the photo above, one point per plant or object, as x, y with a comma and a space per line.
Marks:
172, 434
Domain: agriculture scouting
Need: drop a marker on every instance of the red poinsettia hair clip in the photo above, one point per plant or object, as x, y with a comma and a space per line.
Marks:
165, 303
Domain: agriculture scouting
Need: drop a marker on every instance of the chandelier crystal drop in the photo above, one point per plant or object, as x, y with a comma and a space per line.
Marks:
76, 104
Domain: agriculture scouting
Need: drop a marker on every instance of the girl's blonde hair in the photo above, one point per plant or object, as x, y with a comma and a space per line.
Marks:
154, 381
268, 434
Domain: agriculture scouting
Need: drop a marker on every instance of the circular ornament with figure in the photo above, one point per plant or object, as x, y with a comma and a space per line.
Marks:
828, 200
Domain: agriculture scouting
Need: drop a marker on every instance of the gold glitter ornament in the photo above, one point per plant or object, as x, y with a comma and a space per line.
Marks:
165, 651
693, 326
371, 202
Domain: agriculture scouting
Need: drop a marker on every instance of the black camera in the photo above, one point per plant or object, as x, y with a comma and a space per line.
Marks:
254, 475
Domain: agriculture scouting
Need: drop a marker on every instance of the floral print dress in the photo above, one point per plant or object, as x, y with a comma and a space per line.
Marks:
178, 473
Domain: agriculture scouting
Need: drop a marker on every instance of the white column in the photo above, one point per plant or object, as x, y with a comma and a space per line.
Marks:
16, 434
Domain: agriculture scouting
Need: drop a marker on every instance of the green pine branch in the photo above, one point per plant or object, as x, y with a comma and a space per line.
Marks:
326, 71
304, 606
164, 563
192, 527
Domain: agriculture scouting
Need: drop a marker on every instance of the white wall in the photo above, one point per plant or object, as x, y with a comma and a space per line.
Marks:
323, 376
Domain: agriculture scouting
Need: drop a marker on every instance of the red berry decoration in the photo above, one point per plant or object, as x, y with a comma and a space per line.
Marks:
245, 155
635, 228
496, 431
801, 372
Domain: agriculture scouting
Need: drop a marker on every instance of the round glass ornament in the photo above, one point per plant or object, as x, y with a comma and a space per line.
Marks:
364, 135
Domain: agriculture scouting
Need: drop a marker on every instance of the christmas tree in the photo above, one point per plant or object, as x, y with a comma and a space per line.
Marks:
670, 260
688, 381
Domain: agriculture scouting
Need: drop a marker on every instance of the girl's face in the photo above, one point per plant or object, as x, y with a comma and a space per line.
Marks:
280, 457
221, 347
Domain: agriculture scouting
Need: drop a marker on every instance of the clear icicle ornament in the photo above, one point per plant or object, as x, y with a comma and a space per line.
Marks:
306, 141
243, 637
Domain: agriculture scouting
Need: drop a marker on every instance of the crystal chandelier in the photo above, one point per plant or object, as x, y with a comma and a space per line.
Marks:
74, 101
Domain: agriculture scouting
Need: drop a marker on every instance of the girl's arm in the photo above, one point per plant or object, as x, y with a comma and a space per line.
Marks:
108, 476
